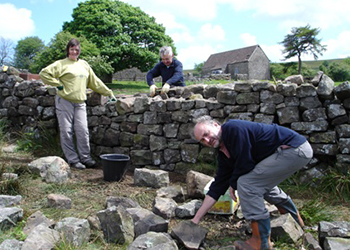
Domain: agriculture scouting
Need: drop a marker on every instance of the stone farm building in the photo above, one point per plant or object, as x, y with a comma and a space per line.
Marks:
243, 64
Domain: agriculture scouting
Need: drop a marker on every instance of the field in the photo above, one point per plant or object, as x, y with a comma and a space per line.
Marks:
314, 65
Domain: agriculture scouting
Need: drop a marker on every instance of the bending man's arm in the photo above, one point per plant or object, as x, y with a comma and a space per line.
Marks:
155, 72
207, 204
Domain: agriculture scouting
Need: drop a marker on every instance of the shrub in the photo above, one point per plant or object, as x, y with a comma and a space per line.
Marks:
339, 71
281, 71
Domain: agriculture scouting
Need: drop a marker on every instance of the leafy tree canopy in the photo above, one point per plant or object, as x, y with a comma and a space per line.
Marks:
57, 50
199, 67
127, 35
302, 40
26, 50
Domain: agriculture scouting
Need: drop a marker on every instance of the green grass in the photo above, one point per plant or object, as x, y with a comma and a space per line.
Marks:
129, 87
40, 143
135, 87
315, 211
14, 232
338, 183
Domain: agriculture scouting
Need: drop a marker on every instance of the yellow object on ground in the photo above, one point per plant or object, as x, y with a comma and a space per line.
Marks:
225, 204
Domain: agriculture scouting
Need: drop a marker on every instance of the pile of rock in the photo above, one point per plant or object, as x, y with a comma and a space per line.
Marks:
124, 221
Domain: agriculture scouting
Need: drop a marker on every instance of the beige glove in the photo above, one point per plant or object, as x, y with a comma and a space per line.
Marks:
165, 88
113, 98
152, 90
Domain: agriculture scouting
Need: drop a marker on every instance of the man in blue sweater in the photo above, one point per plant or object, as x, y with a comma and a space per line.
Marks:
253, 158
169, 68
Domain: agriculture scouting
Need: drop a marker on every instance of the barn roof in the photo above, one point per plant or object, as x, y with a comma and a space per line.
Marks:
220, 60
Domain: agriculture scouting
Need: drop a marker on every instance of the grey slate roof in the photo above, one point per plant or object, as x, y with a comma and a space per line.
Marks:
220, 60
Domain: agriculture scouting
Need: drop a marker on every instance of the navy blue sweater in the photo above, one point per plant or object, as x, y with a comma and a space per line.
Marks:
248, 143
172, 74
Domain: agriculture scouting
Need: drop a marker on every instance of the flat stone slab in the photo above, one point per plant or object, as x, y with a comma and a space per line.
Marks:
189, 234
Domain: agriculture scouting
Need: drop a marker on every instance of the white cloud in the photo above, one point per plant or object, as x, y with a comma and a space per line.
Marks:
184, 37
267, 7
195, 10
248, 39
168, 20
339, 47
273, 52
322, 14
15, 23
211, 32
195, 55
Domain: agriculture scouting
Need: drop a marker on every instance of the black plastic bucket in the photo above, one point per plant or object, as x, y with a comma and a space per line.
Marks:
114, 166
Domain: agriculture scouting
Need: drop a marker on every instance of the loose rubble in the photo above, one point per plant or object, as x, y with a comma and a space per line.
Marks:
124, 221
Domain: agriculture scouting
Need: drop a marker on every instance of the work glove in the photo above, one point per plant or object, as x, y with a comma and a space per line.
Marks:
152, 90
165, 88
113, 98
60, 87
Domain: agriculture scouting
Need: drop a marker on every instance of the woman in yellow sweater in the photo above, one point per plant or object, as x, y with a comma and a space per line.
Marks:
72, 76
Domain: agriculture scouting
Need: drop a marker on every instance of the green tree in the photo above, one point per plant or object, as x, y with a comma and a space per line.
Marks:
57, 50
127, 35
101, 66
324, 67
347, 61
6, 51
199, 68
302, 40
339, 71
26, 50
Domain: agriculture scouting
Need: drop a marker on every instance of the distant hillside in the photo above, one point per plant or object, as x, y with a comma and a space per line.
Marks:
188, 71
314, 65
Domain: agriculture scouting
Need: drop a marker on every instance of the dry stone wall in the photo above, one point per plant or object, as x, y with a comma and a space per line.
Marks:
156, 132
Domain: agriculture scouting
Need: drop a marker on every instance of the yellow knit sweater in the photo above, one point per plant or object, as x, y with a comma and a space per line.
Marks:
75, 77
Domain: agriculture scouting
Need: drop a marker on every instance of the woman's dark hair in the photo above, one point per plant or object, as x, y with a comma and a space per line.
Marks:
73, 42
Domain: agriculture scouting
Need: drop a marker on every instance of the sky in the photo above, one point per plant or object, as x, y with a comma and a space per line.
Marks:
200, 28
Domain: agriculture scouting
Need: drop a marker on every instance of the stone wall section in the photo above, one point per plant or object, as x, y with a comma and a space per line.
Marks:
156, 132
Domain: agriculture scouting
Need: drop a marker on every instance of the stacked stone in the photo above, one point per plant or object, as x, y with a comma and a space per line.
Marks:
157, 132
28, 105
